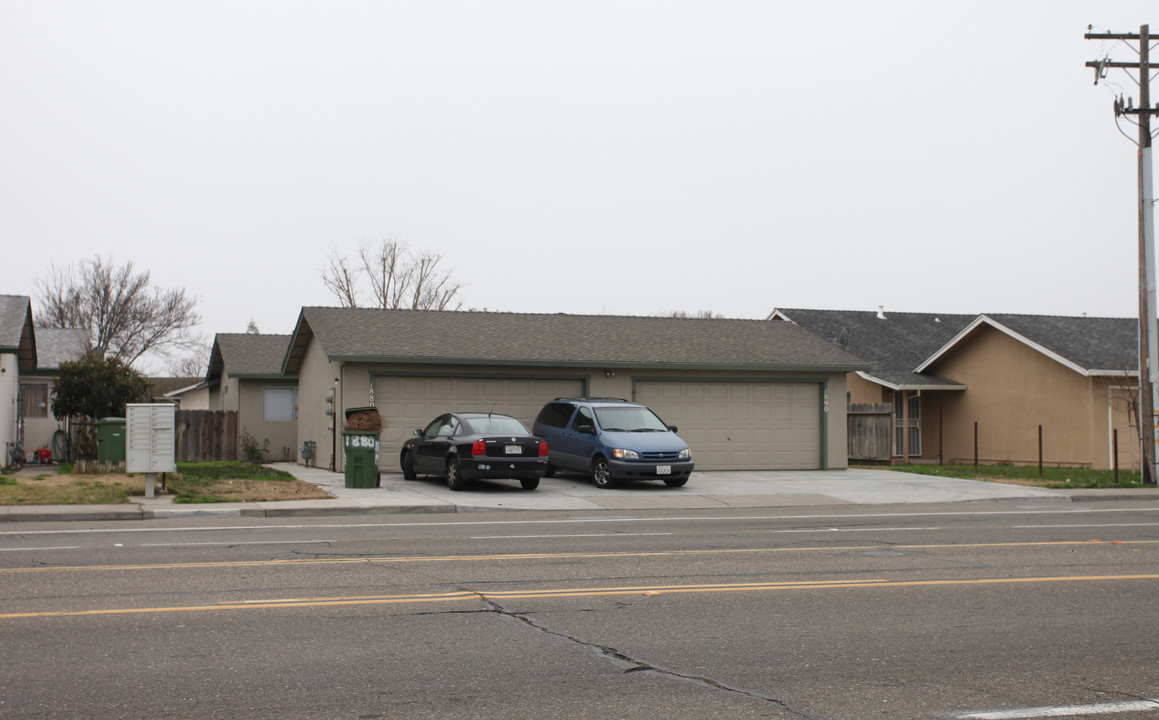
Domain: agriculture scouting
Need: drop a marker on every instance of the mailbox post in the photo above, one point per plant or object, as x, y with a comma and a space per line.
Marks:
151, 444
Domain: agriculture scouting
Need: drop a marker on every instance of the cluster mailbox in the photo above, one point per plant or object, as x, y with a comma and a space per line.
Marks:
150, 435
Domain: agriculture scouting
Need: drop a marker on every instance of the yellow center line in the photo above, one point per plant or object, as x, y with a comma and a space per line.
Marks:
657, 590
555, 556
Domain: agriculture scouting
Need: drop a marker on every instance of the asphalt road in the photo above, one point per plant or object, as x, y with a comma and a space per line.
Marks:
946, 611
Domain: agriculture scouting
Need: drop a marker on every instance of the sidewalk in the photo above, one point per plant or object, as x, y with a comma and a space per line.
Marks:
705, 490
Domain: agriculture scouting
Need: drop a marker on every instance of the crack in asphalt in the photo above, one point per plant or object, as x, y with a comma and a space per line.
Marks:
631, 664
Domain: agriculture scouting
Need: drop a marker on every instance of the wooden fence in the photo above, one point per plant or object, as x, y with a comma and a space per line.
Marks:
869, 431
206, 435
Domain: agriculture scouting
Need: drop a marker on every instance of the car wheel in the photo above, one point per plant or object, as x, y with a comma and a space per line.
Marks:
602, 473
455, 479
408, 467
529, 483
676, 482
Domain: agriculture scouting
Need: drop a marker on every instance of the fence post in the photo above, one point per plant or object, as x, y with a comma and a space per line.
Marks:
1115, 453
1039, 451
975, 444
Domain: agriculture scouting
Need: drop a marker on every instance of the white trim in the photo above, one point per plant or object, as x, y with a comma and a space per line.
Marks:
778, 315
982, 319
908, 386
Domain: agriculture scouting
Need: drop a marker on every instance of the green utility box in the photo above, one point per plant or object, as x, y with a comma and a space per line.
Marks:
111, 440
361, 458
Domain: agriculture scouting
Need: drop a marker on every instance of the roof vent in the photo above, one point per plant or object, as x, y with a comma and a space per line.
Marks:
880, 312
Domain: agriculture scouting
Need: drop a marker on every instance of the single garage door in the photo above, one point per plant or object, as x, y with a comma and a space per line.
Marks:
412, 402
742, 426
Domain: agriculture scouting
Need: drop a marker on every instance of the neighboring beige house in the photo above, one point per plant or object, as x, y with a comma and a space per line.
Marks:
1003, 374
189, 396
745, 394
30, 358
245, 376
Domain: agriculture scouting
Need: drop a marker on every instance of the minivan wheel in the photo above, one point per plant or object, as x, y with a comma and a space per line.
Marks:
455, 479
602, 473
550, 471
529, 483
676, 482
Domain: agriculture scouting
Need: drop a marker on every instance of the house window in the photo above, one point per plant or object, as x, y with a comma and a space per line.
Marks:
915, 423
34, 400
279, 404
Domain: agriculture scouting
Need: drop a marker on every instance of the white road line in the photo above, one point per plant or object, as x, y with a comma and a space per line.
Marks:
1091, 525
578, 521
539, 537
30, 549
248, 542
851, 530
1065, 711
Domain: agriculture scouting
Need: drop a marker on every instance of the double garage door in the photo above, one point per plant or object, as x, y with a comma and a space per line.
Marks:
729, 425
412, 402
742, 426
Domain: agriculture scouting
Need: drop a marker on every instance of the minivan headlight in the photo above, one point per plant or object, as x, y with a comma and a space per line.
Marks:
686, 454
625, 454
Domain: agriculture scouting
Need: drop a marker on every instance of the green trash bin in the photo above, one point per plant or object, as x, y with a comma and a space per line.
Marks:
111, 440
361, 458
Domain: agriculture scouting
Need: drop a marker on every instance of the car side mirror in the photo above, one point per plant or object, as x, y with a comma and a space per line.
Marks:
672, 428
417, 432
586, 429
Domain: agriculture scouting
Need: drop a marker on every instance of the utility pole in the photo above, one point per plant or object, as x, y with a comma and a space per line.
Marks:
1148, 314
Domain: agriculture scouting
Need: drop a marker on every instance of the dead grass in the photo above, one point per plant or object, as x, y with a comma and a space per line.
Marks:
119, 488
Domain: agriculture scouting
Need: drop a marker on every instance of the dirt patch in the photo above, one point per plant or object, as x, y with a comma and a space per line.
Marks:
117, 488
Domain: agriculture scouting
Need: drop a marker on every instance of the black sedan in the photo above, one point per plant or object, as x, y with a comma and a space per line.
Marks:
466, 446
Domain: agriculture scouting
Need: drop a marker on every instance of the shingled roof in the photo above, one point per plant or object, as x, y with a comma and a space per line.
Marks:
894, 344
247, 355
442, 337
57, 345
900, 347
16, 332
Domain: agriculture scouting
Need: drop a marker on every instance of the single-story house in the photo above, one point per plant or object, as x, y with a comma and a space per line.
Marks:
30, 358
982, 386
745, 394
185, 393
245, 376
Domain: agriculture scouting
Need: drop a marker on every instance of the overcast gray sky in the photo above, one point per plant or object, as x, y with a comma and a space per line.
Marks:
625, 157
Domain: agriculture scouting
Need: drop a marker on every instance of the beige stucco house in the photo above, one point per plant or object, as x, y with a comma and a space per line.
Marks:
984, 385
17, 355
745, 394
245, 376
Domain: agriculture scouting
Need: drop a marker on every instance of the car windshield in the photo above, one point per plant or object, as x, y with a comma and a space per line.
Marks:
629, 419
496, 425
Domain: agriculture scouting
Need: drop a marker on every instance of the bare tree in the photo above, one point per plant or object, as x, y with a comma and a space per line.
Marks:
700, 315
122, 316
196, 364
395, 276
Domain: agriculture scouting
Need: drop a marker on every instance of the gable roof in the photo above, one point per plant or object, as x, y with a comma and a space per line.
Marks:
903, 347
17, 335
894, 344
1090, 346
559, 340
247, 355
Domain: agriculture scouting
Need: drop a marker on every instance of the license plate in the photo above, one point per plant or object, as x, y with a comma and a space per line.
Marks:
663, 469
514, 449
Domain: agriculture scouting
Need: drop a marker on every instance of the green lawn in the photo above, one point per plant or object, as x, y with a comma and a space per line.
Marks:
1056, 478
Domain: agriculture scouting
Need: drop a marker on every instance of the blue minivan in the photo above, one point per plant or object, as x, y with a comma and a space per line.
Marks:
612, 440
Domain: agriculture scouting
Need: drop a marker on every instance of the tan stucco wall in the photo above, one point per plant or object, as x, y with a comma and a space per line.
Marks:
1011, 390
315, 380
282, 436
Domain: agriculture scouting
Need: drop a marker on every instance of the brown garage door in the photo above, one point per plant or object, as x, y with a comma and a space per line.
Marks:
412, 402
742, 426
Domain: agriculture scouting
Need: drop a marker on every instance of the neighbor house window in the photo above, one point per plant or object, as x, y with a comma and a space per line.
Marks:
280, 404
34, 400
